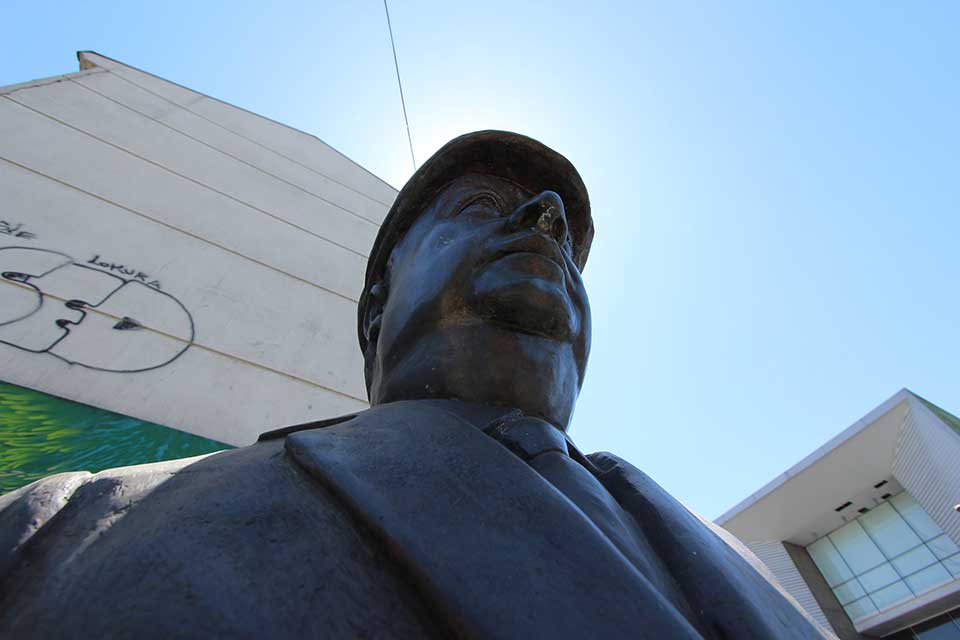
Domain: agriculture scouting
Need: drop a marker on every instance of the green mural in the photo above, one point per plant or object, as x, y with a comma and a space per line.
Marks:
41, 434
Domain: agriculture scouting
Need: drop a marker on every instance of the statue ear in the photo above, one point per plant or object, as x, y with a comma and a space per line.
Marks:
374, 314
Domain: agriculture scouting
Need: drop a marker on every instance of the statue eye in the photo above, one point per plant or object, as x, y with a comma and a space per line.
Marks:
482, 205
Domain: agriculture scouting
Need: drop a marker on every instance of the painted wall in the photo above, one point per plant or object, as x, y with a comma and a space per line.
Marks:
176, 259
41, 435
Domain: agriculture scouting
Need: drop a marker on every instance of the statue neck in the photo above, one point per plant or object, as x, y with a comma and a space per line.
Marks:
483, 365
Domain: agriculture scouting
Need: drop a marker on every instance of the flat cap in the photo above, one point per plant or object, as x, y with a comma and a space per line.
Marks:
514, 157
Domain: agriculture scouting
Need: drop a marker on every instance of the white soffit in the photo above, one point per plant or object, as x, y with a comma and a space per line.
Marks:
799, 505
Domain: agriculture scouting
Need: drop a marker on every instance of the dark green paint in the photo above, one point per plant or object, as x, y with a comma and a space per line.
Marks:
41, 434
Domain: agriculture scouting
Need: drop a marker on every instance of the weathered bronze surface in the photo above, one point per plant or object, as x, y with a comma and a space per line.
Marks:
456, 506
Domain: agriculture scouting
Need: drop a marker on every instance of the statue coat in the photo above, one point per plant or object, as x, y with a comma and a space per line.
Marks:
404, 521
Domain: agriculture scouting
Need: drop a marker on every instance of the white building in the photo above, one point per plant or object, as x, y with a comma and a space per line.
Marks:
176, 259
865, 531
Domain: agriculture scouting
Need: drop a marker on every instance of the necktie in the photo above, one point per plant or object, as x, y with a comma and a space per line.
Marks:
545, 448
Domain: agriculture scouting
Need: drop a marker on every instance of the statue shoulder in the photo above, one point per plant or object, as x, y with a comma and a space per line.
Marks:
29, 510
25, 511
239, 542
711, 566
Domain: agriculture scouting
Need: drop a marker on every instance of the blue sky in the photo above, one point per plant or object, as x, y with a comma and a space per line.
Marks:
775, 185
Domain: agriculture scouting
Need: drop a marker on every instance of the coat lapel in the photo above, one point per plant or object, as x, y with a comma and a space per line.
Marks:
496, 549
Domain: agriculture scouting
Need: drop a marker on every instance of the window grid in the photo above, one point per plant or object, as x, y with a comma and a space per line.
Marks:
923, 542
849, 603
900, 577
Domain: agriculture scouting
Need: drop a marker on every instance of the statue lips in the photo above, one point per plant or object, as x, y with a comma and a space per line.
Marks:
523, 285
537, 246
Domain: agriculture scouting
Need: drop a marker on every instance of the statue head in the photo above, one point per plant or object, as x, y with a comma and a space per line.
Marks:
473, 287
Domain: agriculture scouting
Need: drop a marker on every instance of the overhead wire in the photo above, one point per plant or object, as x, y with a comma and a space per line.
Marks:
403, 103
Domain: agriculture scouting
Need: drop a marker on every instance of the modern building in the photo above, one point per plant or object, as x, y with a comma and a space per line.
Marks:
171, 264
865, 531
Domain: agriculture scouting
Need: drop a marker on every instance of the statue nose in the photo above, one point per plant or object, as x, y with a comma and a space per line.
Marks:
545, 213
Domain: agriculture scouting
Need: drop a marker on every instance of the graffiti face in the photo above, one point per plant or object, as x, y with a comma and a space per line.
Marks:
100, 315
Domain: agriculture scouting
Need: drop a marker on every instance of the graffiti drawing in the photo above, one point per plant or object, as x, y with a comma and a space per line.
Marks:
107, 320
123, 271
16, 230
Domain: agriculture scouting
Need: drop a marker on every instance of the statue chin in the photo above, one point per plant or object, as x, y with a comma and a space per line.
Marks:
529, 306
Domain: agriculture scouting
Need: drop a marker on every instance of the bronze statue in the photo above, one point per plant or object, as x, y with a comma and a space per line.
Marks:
455, 507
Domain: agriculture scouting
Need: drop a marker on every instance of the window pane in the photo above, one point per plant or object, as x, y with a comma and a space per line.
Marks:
940, 628
892, 553
913, 561
829, 562
856, 548
848, 591
928, 578
889, 531
953, 565
889, 596
911, 510
860, 609
879, 577
942, 546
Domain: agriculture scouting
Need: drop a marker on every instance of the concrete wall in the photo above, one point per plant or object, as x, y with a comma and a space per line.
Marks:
236, 244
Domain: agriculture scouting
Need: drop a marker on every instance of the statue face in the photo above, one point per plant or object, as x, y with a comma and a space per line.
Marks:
487, 268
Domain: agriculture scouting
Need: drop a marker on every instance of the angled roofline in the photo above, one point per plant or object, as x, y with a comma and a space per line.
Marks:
39, 82
817, 455
87, 64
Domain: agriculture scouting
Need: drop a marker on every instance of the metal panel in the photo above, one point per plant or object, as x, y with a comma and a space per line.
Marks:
927, 464
775, 556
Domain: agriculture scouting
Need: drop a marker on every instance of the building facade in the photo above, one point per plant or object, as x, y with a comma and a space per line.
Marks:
865, 531
171, 260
